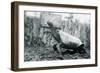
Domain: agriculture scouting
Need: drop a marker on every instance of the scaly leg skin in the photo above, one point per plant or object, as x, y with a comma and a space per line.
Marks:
59, 49
60, 52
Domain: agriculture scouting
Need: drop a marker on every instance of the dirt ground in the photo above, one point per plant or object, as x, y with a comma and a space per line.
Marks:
47, 54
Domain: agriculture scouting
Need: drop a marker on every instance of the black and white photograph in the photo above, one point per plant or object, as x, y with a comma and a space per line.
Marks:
56, 36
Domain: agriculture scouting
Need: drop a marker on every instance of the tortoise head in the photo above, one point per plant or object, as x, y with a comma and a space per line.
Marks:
81, 49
